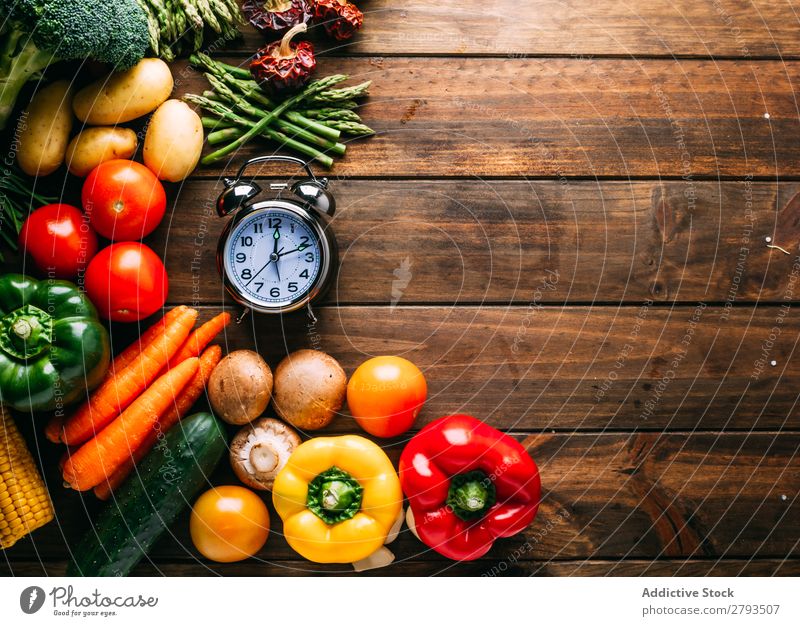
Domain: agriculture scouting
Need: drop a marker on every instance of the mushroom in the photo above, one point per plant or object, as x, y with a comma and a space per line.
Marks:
260, 450
309, 390
240, 387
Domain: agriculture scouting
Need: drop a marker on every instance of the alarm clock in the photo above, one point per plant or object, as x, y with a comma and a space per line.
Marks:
276, 255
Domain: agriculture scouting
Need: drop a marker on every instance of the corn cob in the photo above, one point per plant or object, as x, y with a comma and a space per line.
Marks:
24, 501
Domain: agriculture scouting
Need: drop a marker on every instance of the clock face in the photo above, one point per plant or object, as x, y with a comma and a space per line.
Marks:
272, 258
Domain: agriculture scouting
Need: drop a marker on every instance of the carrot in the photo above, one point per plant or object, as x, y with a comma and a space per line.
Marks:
200, 338
126, 357
53, 429
185, 401
96, 460
117, 392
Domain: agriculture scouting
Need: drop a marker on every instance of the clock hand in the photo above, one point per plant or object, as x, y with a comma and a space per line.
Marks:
259, 271
275, 255
297, 249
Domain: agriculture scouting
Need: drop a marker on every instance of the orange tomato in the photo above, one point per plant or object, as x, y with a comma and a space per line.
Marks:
385, 395
229, 524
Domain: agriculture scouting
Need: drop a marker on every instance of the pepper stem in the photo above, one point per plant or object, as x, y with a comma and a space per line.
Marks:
471, 495
26, 332
334, 496
285, 51
22, 328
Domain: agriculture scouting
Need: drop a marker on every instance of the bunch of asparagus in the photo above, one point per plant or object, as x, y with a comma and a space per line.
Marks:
310, 122
17, 198
178, 26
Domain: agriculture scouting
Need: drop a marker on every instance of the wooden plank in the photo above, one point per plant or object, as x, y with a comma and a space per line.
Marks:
541, 368
571, 27
460, 241
557, 118
605, 496
627, 567
571, 368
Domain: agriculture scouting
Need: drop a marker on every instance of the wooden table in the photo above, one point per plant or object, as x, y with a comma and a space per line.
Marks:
562, 220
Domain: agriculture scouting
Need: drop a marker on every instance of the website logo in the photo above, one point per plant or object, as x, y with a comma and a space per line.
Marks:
31, 599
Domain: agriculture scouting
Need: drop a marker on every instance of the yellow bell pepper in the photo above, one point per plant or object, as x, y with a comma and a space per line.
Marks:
338, 498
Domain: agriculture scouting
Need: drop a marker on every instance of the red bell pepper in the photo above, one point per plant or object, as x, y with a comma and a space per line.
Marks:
467, 484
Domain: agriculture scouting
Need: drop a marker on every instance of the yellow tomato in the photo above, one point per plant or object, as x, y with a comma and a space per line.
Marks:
229, 524
385, 395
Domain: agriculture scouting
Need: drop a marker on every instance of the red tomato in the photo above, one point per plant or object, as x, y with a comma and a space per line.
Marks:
59, 240
385, 395
127, 282
124, 199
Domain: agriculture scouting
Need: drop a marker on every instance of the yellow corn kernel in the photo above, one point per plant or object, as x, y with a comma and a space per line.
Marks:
24, 501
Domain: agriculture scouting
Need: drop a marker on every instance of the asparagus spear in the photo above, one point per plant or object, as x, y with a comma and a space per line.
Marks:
340, 95
313, 88
330, 113
222, 89
226, 114
231, 133
352, 128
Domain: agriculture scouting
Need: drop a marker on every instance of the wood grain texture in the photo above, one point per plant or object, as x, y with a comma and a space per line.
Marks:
627, 567
467, 242
564, 368
563, 118
571, 27
610, 496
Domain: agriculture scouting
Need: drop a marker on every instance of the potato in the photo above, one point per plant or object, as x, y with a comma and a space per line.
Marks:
44, 128
174, 141
309, 390
240, 387
124, 96
93, 146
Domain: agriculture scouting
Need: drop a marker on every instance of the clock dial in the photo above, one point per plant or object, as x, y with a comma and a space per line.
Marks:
273, 258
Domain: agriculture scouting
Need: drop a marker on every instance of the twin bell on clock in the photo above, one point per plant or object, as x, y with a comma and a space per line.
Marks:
276, 255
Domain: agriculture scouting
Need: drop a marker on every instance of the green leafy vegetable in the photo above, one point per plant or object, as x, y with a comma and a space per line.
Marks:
36, 33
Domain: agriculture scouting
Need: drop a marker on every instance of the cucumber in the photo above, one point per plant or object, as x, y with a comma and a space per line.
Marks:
166, 482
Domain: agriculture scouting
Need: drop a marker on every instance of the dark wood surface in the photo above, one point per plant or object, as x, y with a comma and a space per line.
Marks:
582, 193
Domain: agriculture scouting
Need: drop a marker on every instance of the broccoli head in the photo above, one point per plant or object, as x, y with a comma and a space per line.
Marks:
36, 33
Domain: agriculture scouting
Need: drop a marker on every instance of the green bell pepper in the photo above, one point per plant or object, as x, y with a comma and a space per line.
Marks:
53, 348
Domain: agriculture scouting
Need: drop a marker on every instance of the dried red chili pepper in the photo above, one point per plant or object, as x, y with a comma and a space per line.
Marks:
283, 67
340, 18
275, 17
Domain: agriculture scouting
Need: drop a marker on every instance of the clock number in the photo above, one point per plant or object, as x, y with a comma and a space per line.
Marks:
275, 222
246, 241
304, 274
258, 228
241, 257
259, 286
292, 287
275, 292
303, 242
309, 257
246, 273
